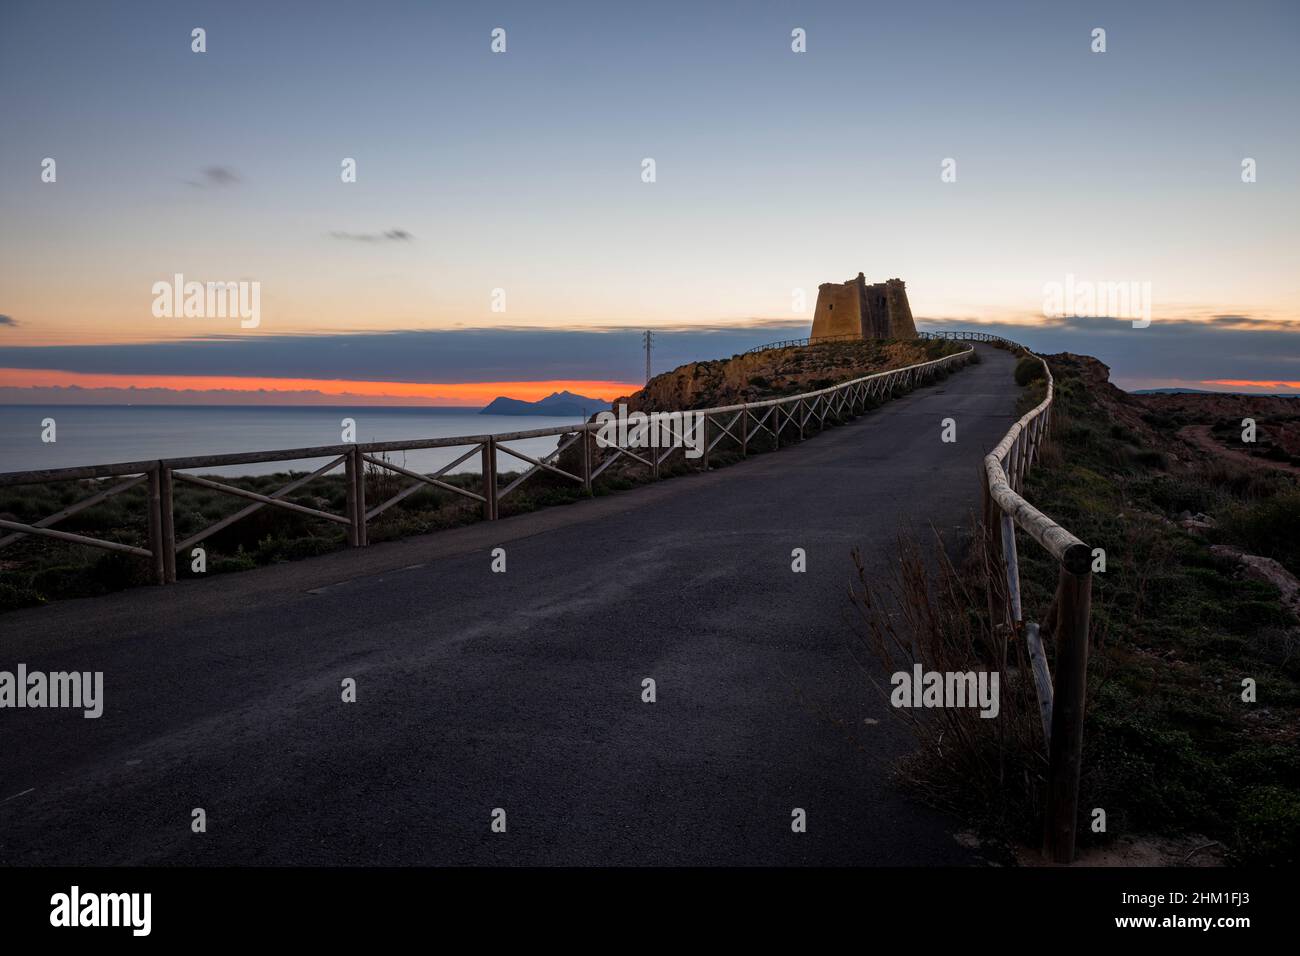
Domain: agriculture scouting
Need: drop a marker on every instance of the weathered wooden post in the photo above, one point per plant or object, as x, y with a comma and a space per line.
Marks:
586, 461
1074, 594
744, 433
1013, 463
350, 487
489, 479
168, 524
359, 474
155, 525
1012, 561
992, 521
704, 459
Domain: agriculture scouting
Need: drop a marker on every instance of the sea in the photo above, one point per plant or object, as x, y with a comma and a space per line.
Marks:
104, 434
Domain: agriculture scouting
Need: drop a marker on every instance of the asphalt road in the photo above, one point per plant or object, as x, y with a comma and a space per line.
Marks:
521, 691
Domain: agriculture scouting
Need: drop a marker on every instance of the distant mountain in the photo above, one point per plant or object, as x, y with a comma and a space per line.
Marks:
557, 404
1206, 391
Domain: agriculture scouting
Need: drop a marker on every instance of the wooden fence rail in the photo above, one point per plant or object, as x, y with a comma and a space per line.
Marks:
1061, 701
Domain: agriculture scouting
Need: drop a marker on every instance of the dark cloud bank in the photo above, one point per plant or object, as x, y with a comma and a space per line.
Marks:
1221, 347
1228, 347
450, 356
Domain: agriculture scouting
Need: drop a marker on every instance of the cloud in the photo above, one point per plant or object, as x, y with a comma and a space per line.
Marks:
42, 395
390, 235
216, 177
442, 355
8, 320
1239, 347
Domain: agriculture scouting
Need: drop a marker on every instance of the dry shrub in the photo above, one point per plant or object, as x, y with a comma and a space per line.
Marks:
381, 483
988, 770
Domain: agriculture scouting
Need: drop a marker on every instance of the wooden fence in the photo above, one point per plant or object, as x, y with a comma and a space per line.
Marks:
1061, 701
735, 425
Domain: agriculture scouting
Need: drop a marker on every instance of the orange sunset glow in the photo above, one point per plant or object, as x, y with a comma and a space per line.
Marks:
1251, 383
471, 394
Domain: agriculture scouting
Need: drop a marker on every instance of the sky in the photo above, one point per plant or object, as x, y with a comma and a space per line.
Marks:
516, 179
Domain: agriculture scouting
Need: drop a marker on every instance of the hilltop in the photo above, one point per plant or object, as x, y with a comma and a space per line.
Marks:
755, 376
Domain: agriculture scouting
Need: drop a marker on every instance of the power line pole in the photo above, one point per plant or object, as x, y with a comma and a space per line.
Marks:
649, 338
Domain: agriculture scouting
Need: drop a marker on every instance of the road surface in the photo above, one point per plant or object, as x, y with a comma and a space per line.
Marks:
520, 691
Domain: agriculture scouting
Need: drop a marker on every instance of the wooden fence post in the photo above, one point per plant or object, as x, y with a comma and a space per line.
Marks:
1013, 462
704, 459
490, 479
167, 515
586, 461
359, 474
1074, 594
992, 520
156, 545
350, 488
1012, 562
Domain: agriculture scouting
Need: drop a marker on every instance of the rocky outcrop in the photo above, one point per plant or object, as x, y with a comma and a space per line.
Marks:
761, 375
758, 375
1267, 570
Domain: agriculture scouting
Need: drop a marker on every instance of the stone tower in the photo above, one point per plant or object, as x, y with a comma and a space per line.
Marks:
877, 311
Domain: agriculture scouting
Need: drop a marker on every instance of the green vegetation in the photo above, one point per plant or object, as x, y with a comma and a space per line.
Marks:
1028, 370
1270, 527
1170, 746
